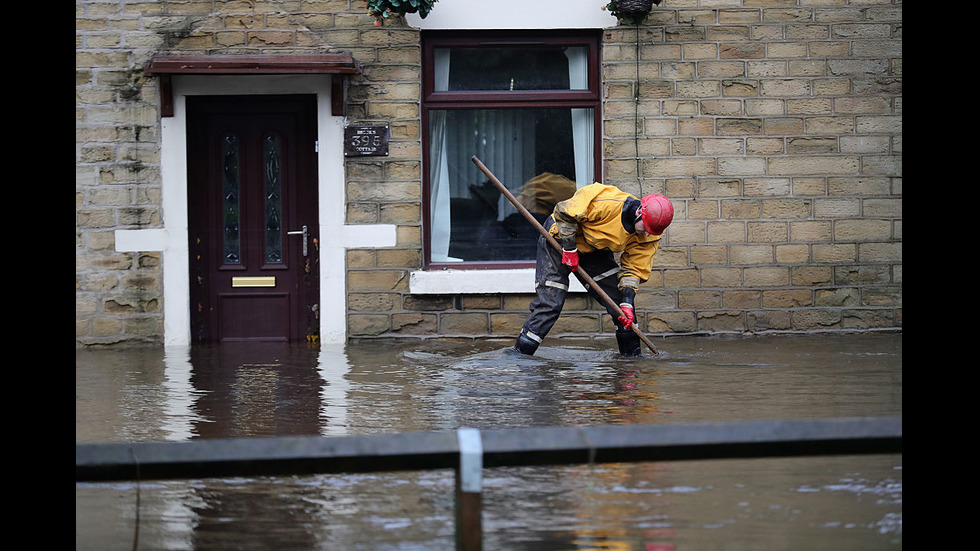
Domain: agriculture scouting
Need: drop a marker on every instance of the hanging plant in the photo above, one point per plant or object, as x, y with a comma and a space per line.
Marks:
381, 9
630, 12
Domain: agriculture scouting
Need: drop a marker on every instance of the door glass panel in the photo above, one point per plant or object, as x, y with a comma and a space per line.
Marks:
272, 146
231, 193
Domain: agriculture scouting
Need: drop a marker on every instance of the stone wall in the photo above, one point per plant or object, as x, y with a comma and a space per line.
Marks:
118, 296
775, 126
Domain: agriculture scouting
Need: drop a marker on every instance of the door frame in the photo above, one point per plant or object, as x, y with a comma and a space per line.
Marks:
295, 291
172, 241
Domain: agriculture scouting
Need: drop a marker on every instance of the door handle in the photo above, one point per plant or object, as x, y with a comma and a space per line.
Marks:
305, 235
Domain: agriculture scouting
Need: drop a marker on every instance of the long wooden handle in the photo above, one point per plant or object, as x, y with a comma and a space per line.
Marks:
585, 277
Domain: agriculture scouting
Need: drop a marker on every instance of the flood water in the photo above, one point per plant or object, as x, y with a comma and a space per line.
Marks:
375, 387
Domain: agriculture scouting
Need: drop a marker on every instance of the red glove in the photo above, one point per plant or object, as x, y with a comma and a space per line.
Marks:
628, 318
570, 258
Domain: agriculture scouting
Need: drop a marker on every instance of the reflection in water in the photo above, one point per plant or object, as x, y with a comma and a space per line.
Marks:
388, 387
333, 367
256, 390
179, 417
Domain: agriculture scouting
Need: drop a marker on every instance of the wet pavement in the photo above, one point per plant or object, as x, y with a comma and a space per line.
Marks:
372, 387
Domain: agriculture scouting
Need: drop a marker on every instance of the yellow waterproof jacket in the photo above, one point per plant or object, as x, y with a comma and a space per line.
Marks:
594, 215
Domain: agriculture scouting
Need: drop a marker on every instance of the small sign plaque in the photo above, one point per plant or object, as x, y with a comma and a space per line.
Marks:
365, 140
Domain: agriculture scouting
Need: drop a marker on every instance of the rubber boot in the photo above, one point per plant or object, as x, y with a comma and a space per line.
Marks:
526, 345
629, 343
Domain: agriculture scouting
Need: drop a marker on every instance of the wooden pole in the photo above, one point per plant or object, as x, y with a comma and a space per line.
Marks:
582, 274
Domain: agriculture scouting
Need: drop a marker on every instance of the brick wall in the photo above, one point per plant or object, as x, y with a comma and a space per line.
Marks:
773, 125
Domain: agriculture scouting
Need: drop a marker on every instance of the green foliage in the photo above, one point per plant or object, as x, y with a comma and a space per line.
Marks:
380, 9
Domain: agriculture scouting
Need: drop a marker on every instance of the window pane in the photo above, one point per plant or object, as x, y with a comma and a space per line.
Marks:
538, 153
511, 68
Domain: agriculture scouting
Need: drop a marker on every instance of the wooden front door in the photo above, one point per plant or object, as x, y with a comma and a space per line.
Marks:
252, 218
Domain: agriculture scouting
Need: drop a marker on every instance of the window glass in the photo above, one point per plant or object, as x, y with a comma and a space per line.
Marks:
512, 68
528, 111
537, 153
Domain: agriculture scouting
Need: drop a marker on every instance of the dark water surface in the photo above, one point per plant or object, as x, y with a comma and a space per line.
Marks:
371, 387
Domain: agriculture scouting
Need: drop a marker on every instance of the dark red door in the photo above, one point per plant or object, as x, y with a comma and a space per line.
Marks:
252, 217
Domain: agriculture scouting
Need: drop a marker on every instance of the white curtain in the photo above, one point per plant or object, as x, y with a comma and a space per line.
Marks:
439, 214
583, 120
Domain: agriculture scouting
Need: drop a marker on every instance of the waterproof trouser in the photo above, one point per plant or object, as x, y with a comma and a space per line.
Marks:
551, 288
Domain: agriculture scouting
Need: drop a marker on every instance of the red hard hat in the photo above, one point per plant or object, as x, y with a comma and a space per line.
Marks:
657, 212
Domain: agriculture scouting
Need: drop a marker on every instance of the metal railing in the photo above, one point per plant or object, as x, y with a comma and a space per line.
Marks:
469, 451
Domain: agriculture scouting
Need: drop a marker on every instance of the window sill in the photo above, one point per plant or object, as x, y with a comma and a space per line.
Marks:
460, 282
